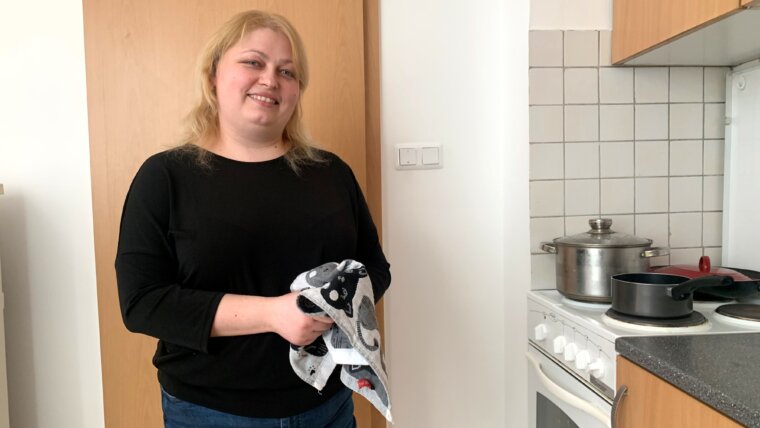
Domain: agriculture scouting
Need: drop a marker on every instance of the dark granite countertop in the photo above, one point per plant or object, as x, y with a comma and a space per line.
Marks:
721, 370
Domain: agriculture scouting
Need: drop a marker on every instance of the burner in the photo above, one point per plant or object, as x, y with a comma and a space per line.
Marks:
693, 319
584, 304
740, 311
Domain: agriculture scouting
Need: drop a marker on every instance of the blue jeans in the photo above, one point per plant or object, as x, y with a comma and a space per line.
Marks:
337, 412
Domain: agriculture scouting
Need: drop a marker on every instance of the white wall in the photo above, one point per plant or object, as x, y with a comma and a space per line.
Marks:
570, 14
455, 73
46, 240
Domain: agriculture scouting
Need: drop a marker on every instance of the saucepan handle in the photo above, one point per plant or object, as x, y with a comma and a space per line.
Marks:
655, 252
549, 247
684, 290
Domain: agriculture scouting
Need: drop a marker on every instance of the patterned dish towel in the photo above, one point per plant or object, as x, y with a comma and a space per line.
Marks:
344, 293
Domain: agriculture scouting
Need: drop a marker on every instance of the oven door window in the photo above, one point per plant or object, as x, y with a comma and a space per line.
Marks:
557, 399
549, 415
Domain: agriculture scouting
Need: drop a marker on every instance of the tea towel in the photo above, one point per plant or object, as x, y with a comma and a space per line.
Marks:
344, 293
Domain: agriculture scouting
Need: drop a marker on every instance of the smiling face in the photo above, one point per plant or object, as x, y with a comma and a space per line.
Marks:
257, 88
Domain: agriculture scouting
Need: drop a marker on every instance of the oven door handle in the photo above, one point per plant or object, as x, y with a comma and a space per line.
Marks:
566, 396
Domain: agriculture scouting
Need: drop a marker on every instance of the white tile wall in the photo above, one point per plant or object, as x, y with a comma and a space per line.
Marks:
641, 145
582, 160
651, 84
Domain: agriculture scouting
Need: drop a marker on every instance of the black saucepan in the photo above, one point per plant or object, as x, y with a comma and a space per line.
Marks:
656, 295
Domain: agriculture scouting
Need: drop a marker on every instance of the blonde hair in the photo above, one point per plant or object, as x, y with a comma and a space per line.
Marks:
202, 123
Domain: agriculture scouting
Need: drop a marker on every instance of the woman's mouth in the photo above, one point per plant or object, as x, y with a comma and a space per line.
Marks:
264, 99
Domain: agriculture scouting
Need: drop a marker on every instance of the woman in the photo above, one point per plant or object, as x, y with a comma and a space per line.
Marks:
214, 232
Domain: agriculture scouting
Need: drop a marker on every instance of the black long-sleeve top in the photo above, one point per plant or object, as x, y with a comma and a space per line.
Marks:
191, 234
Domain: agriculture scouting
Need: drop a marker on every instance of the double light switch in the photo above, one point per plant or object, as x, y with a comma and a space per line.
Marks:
418, 156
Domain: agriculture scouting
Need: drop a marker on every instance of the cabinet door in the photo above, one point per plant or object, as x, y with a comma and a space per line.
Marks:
652, 402
140, 58
640, 25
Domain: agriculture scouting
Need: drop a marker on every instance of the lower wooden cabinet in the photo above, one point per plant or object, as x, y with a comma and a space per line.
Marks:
652, 402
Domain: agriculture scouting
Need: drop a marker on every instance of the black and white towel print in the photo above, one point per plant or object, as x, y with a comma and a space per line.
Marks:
344, 293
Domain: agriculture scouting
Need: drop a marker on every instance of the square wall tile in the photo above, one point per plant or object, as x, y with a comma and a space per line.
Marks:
685, 256
712, 229
605, 48
715, 120
547, 198
547, 161
617, 196
651, 122
545, 86
651, 158
714, 150
581, 160
581, 48
686, 157
577, 224
616, 85
654, 227
582, 197
713, 188
651, 84
546, 123
715, 254
686, 230
616, 122
581, 86
686, 84
582, 123
622, 223
685, 121
545, 49
542, 272
651, 195
544, 229
616, 159
685, 194
715, 84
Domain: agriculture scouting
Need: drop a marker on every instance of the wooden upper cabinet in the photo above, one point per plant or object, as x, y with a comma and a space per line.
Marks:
641, 25
652, 402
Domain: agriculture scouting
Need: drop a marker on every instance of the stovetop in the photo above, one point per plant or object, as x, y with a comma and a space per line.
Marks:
581, 337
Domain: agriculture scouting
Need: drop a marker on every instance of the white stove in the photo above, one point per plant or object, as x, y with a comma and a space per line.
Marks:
577, 339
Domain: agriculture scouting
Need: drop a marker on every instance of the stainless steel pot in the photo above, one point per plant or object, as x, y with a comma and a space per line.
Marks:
586, 261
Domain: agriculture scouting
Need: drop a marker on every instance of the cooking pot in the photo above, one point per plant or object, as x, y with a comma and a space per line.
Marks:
746, 282
657, 295
585, 262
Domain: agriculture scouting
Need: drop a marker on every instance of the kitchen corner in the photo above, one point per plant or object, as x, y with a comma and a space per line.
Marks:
649, 147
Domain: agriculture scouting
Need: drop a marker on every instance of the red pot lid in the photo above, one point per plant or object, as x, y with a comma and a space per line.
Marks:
703, 268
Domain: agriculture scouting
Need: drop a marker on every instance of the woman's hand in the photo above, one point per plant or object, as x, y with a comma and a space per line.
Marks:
287, 320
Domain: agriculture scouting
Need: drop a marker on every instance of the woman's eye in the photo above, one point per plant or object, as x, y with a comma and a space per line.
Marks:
254, 63
288, 74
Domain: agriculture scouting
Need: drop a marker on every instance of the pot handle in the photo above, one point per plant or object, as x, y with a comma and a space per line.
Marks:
655, 252
549, 247
684, 290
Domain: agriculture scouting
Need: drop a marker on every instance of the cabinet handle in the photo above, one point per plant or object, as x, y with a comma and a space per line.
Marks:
623, 390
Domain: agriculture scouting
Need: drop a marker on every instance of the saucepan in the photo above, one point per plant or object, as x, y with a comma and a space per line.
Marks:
657, 295
746, 282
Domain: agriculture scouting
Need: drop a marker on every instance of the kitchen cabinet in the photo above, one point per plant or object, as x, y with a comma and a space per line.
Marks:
683, 32
652, 402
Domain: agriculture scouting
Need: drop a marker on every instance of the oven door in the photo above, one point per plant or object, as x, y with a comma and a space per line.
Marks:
556, 399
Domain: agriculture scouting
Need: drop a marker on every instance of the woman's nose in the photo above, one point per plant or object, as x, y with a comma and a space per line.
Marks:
268, 78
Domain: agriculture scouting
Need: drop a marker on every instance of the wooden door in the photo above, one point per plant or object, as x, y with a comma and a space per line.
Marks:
140, 57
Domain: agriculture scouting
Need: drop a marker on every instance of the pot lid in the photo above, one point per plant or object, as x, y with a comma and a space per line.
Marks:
600, 235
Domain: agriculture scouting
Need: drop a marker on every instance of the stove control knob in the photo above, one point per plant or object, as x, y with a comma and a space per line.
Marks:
559, 344
597, 368
582, 360
570, 350
540, 332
